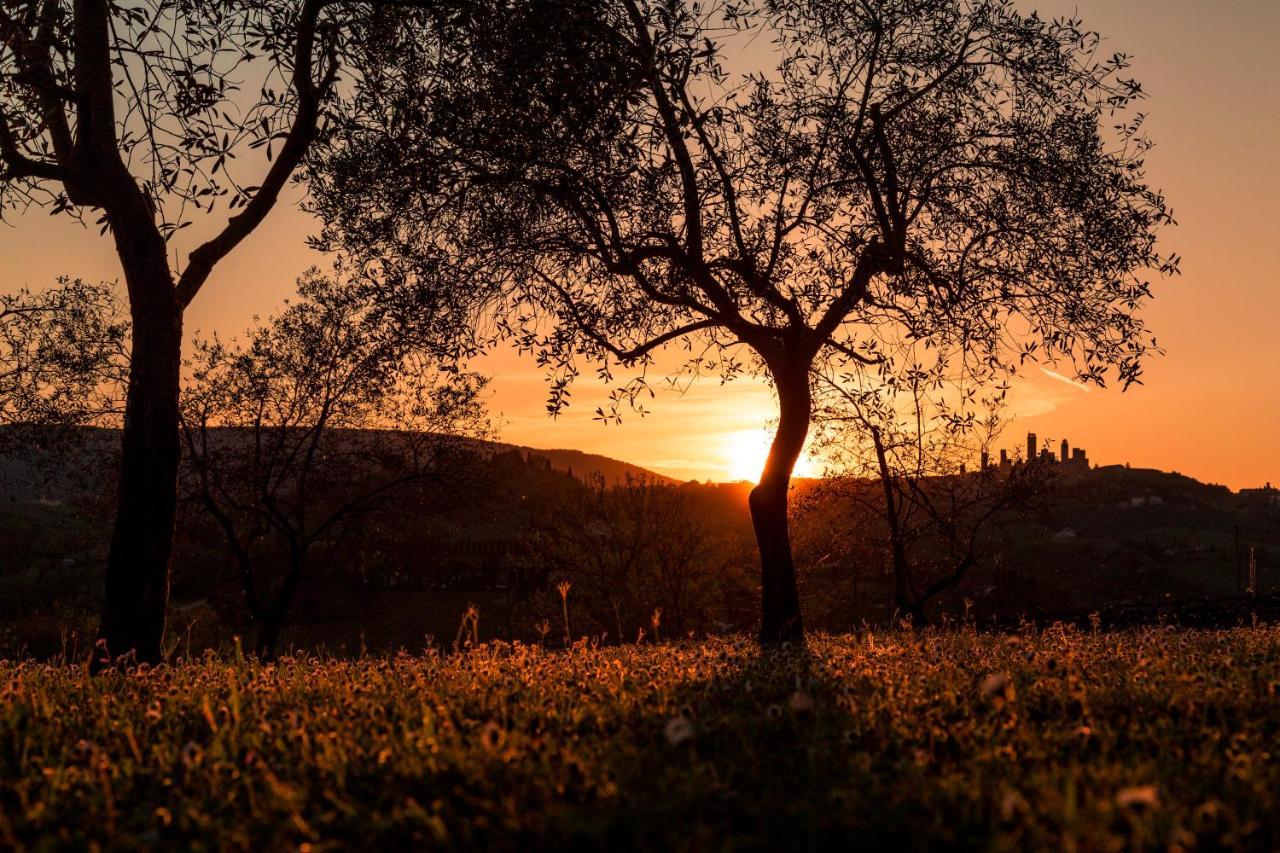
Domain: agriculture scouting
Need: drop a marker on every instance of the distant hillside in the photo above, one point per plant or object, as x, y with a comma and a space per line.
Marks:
1126, 543
583, 465
57, 465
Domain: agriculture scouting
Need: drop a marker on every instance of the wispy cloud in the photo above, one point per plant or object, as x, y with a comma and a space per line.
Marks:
1053, 374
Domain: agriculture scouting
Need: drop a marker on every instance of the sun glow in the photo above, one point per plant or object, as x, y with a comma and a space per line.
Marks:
743, 454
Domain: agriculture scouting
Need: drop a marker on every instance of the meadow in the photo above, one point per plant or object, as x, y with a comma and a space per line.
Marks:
1061, 738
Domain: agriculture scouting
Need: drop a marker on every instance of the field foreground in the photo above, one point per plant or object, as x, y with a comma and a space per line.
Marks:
1150, 739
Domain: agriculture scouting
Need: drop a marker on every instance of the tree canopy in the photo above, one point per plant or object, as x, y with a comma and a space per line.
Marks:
63, 357
925, 168
319, 417
781, 186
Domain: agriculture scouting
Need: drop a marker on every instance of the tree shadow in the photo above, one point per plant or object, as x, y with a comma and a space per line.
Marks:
761, 752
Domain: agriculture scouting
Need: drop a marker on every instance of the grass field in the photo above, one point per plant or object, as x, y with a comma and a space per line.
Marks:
1152, 739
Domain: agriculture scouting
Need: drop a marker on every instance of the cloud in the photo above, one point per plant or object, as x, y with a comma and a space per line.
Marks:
1053, 374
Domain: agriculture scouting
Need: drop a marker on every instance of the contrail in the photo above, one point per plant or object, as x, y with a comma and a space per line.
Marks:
1053, 374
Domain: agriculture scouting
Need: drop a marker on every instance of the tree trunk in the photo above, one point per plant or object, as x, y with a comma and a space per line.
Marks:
914, 611
268, 639
276, 614
780, 599
897, 547
137, 581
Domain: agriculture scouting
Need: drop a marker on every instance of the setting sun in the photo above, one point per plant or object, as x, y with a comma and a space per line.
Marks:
744, 453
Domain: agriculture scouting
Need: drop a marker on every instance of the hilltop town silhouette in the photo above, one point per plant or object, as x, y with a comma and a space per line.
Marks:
1076, 457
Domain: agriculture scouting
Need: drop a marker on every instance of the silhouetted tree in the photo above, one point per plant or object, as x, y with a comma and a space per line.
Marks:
324, 415
139, 110
63, 358
907, 450
64, 364
778, 185
631, 550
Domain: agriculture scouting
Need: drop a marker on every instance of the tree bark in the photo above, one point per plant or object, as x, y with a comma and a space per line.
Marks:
780, 598
137, 581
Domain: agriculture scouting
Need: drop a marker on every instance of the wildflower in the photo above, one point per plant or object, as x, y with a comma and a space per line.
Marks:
1206, 815
678, 730
801, 703
1012, 805
192, 754
995, 684
563, 587
1137, 796
492, 736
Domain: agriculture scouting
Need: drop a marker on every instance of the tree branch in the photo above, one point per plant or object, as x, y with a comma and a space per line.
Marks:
33, 60
17, 165
959, 62
626, 356
853, 354
675, 138
870, 262
299, 138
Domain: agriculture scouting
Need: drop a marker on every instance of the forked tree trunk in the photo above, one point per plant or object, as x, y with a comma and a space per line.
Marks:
137, 584
780, 598
137, 581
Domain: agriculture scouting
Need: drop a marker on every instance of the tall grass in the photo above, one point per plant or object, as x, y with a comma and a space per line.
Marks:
1054, 739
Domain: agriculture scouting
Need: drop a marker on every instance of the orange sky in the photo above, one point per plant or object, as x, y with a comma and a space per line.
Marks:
1210, 408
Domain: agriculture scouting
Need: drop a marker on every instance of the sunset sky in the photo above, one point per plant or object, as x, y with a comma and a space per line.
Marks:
1209, 408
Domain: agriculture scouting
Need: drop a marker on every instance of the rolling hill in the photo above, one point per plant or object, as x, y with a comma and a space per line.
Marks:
55, 465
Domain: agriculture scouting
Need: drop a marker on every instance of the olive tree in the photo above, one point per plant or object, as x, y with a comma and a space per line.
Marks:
924, 477
317, 418
778, 186
63, 357
132, 115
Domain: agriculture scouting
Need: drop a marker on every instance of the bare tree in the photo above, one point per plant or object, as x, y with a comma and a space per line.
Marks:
778, 186
323, 416
912, 450
138, 111
634, 552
